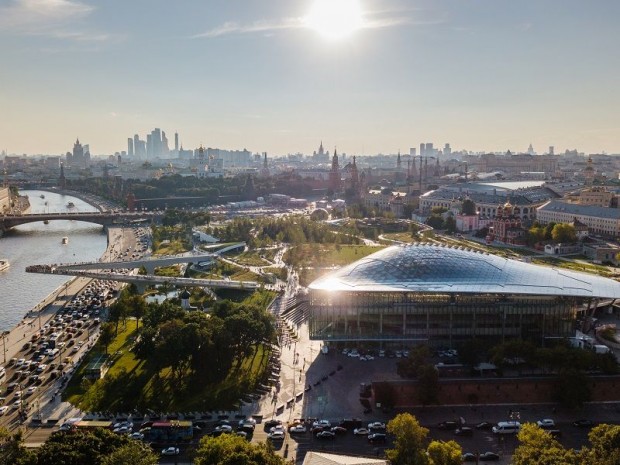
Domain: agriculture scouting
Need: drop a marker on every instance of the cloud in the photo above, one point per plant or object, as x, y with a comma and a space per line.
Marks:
25, 15
372, 20
232, 27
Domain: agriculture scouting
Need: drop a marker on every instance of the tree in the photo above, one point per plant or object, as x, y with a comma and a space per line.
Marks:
409, 440
133, 453
564, 232
469, 207
92, 447
572, 388
449, 224
537, 447
428, 384
229, 449
12, 450
106, 336
435, 221
605, 446
444, 453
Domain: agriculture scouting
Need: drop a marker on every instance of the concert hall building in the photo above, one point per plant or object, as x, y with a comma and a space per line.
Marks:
440, 295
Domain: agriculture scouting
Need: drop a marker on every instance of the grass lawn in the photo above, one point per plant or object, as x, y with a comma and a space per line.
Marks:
251, 258
571, 265
401, 237
325, 255
173, 247
172, 271
132, 383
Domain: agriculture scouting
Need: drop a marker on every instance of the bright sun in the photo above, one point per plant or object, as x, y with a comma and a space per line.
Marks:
335, 19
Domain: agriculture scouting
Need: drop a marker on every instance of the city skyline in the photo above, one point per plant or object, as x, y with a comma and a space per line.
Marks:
374, 77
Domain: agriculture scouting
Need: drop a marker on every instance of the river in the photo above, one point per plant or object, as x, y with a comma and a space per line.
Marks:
39, 243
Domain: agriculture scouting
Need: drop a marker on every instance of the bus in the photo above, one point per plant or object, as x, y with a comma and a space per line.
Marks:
92, 424
169, 431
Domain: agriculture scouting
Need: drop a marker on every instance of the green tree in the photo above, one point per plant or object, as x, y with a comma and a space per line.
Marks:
435, 221
605, 446
537, 447
572, 388
133, 453
428, 384
444, 453
12, 450
449, 224
409, 440
564, 232
81, 447
106, 336
229, 449
469, 207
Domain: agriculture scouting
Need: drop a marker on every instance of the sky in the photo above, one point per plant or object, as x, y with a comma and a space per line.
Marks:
482, 75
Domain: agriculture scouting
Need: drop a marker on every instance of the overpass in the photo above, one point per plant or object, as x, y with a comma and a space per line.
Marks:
105, 219
106, 271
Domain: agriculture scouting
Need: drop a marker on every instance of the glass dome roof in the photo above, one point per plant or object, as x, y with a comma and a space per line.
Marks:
433, 268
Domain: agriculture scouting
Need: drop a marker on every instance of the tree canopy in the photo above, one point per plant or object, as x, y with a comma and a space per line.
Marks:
409, 441
230, 449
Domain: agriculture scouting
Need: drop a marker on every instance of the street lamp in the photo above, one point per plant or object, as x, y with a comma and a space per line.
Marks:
4, 335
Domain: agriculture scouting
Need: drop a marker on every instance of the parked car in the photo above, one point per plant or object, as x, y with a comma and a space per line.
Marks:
448, 425
464, 431
376, 425
583, 423
276, 435
488, 457
468, 457
375, 438
325, 435
298, 429
484, 425
546, 423
339, 430
361, 431
170, 451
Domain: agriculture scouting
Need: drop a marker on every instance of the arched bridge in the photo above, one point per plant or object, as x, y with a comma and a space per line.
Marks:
103, 218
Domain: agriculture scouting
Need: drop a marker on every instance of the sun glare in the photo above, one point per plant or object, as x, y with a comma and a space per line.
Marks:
335, 19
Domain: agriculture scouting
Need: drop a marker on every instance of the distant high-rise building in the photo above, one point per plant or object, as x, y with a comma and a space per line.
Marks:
164, 151
551, 150
176, 142
429, 151
149, 146
412, 151
130, 146
447, 150
156, 142
530, 150
422, 149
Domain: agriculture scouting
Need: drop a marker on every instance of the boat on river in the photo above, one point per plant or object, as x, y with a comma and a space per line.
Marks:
4, 264
70, 205
42, 196
65, 240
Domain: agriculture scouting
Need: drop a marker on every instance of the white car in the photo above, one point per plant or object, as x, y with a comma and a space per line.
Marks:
361, 431
224, 429
322, 424
31, 390
122, 430
138, 436
17, 404
170, 451
3, 409
376, 425
298, 429
546, 423
275, 435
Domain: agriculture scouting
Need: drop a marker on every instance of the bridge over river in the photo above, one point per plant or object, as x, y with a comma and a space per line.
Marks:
103, 218
108, 271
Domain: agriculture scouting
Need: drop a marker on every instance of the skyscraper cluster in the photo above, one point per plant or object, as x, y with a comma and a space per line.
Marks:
155, 145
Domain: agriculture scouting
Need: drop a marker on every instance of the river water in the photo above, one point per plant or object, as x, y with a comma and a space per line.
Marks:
39, 243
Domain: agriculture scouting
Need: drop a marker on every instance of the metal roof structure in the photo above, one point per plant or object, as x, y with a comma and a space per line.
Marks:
432, 268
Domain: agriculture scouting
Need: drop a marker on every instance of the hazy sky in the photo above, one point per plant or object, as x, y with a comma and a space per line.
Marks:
479, 74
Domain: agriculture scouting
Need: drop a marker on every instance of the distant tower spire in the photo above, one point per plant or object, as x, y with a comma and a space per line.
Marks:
398, 161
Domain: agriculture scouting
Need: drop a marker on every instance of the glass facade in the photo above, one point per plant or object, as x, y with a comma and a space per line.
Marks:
438, 319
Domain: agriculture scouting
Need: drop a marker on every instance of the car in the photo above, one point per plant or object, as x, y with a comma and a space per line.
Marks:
325, 435
361, 431
11, 387
122, 430
489, 457
31, 390
376, 425
583, 423
546, 423
298, 429
448, 425
376, 438
223, 429
276, 435
322, 424
120, 424
339, 430
138, 436
17, 404
469, 457
277, 428
273, 422
170, 451
484, 425
243, 434
3, 409
464, 431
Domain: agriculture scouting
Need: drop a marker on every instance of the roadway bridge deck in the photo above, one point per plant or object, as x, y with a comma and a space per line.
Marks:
103, 218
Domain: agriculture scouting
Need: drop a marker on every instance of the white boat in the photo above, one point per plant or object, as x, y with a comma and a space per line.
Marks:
4, 264
65, 240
